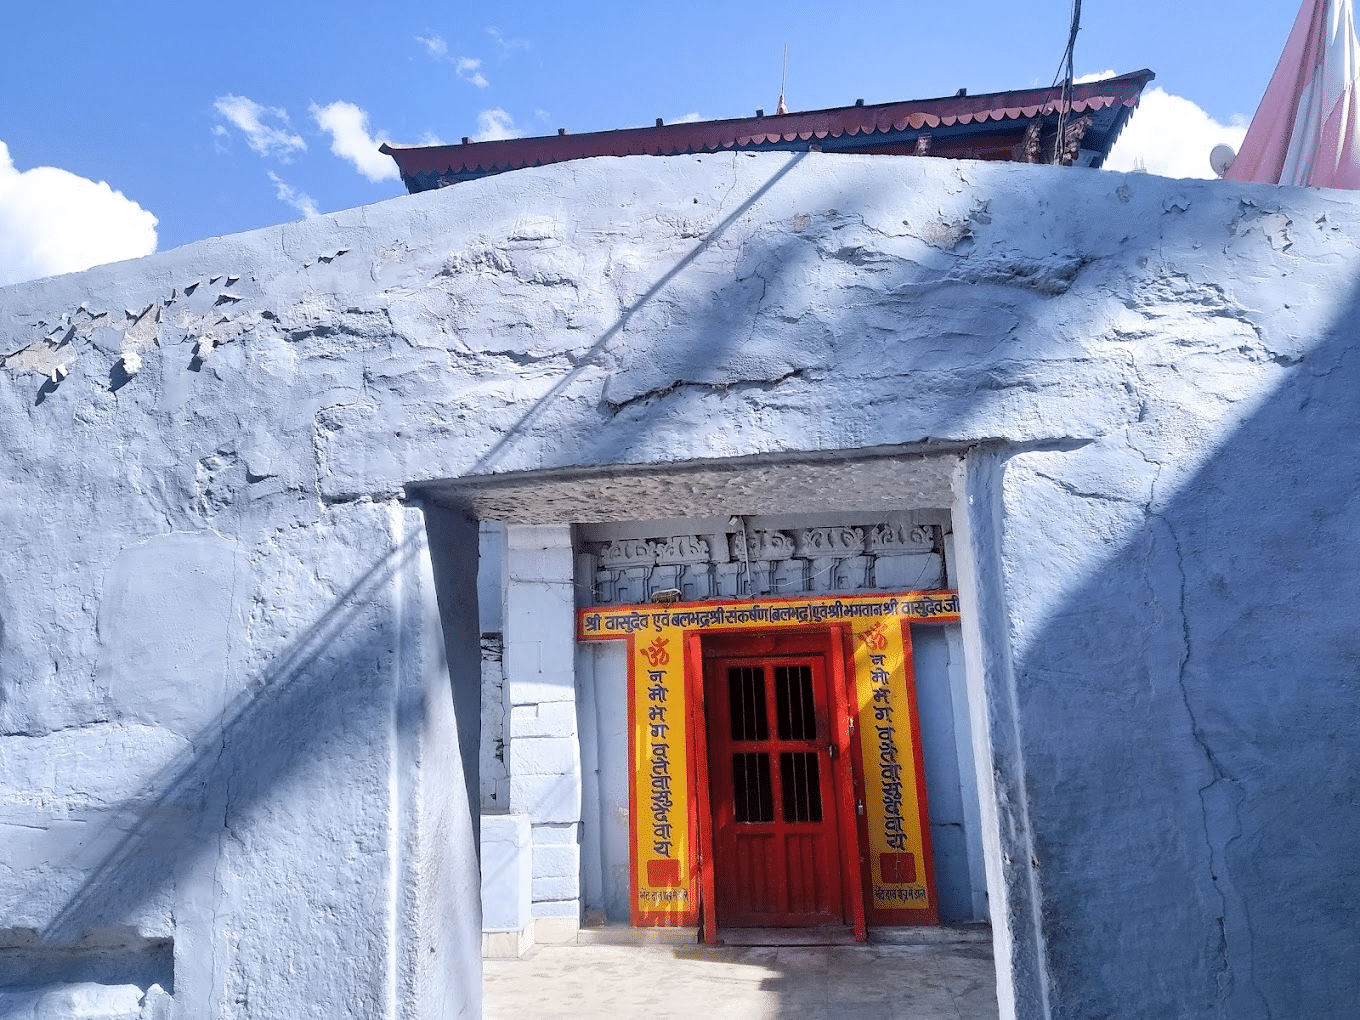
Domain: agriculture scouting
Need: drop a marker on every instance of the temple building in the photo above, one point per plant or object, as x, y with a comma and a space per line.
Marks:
798, 753
754, 537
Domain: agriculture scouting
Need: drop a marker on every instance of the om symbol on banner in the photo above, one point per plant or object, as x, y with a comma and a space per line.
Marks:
656, 652
876, 637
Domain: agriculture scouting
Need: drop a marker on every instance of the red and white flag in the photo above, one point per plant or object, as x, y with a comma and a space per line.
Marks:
1307, 128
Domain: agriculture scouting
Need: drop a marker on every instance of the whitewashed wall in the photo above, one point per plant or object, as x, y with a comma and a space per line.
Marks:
208, 460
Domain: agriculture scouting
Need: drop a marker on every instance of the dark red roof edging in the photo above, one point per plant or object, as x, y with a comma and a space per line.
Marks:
716, 135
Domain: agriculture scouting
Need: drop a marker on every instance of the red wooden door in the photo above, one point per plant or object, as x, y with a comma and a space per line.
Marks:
776, 847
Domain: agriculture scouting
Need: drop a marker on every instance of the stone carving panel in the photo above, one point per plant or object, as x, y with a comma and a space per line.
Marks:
814, 542
762, 545
682, 549
696, 582
766, 562
891, 539
627, 552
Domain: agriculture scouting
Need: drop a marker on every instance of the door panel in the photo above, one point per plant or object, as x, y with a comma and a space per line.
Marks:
777, 860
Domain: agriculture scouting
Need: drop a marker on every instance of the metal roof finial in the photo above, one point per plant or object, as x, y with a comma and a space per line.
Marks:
783, 79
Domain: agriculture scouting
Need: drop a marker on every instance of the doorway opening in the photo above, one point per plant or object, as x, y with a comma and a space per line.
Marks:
777, 781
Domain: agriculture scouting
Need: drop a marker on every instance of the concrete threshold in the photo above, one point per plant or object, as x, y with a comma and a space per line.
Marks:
830, 935
627, 935
838, 935
935, 935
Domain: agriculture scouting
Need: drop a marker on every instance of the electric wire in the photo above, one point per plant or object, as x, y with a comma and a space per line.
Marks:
1065, 63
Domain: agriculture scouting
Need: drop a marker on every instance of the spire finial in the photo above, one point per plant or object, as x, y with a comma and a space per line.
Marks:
783, 79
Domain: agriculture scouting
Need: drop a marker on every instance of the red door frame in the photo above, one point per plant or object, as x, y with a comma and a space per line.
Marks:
834, 645
698, 742
853, 847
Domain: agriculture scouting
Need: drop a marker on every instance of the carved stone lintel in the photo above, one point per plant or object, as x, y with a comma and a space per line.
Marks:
902, 573
850, 574
821, 575
630, 584
606, 591
787, 577
696, 582
727, 580
663, 577
812, 542
763, 545
899, 539
757, 582
888, 555
627, 552
682, 549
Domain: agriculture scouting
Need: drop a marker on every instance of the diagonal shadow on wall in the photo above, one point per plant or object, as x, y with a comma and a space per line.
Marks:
1186, 708
322, 684
488, 460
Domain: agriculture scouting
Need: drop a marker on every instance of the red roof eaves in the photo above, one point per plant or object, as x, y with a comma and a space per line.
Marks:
714, 135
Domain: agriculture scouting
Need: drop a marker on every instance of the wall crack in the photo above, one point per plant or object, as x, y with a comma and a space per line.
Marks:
710, 387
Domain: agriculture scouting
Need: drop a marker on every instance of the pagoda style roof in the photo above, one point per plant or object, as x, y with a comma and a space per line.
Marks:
1020, 126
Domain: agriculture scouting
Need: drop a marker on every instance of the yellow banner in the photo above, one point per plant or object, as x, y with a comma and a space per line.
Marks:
663, 877
621, 621
883, 720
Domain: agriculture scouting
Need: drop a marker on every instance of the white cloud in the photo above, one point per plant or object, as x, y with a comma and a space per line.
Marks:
1086, 79
289, 195
265, 127
347, 125
689, 118
506, 46
52, 221
468, 69
435, 46
496, 125
1171, 136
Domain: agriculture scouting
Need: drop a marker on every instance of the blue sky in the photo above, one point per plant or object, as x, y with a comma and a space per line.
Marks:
216, 118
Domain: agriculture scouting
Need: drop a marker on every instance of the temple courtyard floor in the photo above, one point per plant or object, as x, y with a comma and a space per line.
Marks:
943, 980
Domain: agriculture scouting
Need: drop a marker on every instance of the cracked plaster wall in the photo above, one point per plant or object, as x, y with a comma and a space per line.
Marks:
202, 530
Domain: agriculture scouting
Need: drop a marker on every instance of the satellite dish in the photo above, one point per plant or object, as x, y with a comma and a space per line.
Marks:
1221, 158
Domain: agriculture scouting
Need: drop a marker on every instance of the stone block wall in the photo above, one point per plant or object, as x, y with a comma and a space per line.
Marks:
507, 876
544, 752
